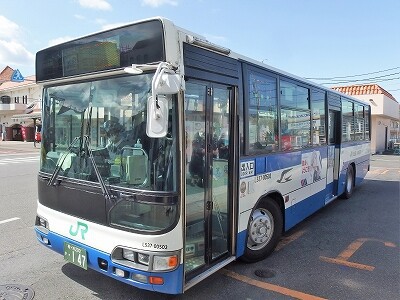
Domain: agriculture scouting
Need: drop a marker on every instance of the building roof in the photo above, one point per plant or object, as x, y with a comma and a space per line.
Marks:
6, 74
363, 89
11, 84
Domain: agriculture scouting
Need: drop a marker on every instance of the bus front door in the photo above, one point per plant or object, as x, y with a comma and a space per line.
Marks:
208, 153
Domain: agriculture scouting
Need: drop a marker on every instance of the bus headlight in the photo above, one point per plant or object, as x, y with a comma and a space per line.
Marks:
143, 258
163, 263
136, 257
146, 261
128, 254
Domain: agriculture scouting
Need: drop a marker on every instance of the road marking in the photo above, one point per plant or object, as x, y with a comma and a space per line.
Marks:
17, 160
2, 154
343, 257
382, 160
287, 240
347, 263
270, 287
9, 220
381, 171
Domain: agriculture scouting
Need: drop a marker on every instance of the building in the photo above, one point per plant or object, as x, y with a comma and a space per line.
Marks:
20, 106
385, 114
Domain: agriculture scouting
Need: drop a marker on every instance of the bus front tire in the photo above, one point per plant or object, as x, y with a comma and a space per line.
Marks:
264, 231
349, 184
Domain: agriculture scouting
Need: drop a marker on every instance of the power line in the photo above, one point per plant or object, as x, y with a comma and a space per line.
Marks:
379, 79
363, 81
348, 76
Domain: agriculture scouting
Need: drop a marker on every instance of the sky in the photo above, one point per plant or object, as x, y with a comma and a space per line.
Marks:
334, 41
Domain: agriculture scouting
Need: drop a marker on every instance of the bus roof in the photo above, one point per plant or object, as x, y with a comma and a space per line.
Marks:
185, 33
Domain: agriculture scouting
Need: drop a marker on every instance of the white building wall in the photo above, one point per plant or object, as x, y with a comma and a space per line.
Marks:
32, 91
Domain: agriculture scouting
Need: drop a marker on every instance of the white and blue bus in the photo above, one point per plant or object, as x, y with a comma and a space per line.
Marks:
165, 157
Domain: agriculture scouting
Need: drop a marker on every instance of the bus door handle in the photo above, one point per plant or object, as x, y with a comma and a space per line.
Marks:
209, 205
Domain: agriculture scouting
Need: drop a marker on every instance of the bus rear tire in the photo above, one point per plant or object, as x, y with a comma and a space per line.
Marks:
264, 231
349, 184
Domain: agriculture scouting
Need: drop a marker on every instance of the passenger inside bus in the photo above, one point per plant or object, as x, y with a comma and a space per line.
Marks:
114, 132
196, 165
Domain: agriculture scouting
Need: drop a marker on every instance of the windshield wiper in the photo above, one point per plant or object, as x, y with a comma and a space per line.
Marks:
61, 162
106, 193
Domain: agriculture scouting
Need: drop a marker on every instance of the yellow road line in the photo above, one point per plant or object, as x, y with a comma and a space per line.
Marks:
270, 287
343, 257
287, 240
350, 250
347, 263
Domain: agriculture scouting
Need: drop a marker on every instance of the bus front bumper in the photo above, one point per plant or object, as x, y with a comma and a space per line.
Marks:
168, 282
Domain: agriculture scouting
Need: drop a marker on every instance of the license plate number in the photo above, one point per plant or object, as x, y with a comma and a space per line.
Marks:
75, 255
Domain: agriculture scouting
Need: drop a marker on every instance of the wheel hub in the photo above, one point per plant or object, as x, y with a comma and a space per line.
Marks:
261, 229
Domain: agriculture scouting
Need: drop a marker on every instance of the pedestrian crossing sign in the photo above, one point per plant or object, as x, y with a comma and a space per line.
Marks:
17, 76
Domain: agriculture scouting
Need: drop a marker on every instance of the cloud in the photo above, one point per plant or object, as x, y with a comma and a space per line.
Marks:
114, 25
157, 3
79, 17
13, 52
8, 29
95, 4
100, 21
59, 40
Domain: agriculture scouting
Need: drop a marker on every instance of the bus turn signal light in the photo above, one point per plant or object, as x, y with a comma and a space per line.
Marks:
156, 280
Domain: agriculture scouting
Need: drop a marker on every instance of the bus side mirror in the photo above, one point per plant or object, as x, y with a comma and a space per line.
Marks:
157, 117
164, 82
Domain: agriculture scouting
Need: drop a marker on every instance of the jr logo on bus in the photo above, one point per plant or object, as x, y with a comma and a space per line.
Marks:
80, 227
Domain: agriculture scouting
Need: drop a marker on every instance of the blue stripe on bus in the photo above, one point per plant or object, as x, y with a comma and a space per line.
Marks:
279, 161
172, 280
301, 210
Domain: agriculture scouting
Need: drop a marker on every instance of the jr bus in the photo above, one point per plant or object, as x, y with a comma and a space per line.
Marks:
165, 157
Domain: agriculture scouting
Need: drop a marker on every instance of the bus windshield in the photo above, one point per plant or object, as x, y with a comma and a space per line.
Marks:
112, 114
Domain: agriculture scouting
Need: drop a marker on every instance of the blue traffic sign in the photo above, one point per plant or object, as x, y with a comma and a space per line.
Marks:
17, 76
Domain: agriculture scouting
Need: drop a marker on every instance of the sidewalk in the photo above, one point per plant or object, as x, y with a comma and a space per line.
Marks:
19, 146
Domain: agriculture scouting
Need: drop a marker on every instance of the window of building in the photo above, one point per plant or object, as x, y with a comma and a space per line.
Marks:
5, 99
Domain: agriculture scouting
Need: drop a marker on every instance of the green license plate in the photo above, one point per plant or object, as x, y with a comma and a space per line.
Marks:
75, 255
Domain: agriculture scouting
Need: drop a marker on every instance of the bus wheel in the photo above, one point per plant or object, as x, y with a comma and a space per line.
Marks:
349, 185
264, 230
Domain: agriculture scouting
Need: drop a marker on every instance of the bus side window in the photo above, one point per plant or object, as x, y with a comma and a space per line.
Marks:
263, 117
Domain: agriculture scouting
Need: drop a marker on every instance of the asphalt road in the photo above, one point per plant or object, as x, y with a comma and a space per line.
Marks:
347, 250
